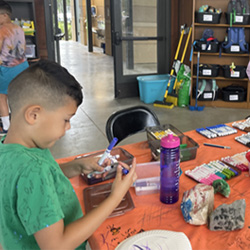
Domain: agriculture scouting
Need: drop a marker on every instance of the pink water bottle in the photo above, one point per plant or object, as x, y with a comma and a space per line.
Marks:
170, 169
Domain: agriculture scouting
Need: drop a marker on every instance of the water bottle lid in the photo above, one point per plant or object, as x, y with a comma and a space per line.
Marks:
170, 141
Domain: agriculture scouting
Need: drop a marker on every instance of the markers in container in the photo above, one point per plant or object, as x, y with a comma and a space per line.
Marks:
226, 166
242, 125
218, 130
226, 172
214, 170
222, 130
244, 139
206, 133
238, 160
159, 134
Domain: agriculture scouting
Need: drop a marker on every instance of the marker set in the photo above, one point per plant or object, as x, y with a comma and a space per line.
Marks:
238, 160
243, 125
161, 133
215, 131
205, 132
244, 139
214, 170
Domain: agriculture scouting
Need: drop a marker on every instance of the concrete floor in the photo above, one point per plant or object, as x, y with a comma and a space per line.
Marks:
95, 73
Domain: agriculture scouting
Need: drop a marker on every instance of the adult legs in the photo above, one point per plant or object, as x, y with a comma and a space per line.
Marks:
4, 111
7, 74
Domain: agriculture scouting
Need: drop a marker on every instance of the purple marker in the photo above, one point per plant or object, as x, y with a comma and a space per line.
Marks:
125, 171
107, 151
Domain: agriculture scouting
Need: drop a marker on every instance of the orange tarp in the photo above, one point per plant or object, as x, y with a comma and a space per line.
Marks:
149, 213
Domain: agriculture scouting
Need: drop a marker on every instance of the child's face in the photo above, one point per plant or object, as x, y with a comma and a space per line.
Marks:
54, 123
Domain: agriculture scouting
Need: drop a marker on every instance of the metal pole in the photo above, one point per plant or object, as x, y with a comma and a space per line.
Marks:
90, 40
76, 19
129, 29
65, 20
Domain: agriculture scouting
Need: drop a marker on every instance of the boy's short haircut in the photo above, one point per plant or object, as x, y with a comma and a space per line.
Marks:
5, 8
45, 83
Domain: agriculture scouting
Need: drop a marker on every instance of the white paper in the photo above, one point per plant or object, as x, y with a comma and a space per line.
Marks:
208, 18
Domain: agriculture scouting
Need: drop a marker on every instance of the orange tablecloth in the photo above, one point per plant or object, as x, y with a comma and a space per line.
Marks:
149, 213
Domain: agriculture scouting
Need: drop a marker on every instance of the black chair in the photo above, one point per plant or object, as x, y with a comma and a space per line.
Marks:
126, 122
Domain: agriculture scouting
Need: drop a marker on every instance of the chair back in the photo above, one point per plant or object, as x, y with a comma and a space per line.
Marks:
126, 122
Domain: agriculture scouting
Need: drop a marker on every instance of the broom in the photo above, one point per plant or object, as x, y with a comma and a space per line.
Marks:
173, 97
196, 107
164, 103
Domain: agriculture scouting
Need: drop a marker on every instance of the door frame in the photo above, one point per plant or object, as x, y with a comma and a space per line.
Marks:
53, 34
77, 20
127, 86
49, 29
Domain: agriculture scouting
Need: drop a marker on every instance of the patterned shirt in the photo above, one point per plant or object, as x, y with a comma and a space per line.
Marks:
13, 43
34, 194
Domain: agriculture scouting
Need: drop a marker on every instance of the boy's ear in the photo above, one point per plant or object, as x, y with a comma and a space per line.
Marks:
32, 114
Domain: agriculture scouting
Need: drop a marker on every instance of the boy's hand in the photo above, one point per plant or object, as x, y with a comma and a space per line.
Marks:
122, 182
59, 236
89, 165
84, 165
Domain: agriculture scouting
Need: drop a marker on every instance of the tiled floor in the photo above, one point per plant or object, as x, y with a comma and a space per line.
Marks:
95, 73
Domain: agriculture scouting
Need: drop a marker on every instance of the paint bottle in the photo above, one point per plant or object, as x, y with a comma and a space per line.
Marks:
170, 169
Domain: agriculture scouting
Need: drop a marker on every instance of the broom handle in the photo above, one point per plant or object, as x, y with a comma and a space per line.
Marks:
184, 53
186, 45
177, 52
179, 45
197, 78
175, 58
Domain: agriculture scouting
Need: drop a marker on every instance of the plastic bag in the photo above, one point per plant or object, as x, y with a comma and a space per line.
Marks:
183, 93
183, 85
197, 204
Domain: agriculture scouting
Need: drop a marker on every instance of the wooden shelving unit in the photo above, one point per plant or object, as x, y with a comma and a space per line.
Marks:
214, 58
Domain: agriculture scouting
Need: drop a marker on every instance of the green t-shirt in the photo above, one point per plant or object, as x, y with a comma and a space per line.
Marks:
34, 194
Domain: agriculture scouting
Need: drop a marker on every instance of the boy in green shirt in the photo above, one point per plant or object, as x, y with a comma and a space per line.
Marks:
38, 206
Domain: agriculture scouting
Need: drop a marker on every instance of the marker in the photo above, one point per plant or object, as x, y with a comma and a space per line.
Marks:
106, 169
107, 151
125, 171
216, 146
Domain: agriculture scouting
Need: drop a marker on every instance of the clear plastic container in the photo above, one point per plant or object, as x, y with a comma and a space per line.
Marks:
30, 51
188, 147
148, 178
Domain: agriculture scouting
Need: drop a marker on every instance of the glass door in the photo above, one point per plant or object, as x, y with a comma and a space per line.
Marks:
140, 41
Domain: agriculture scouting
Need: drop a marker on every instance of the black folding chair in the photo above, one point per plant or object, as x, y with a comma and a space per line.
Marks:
126, 122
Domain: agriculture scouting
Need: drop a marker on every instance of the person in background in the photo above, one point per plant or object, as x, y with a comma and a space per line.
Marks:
38, 206
12, 58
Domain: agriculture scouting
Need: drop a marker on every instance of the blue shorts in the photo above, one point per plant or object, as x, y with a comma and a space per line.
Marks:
7, 74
